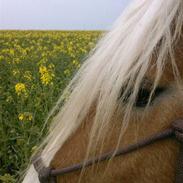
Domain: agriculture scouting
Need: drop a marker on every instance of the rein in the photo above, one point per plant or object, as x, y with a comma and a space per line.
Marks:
48, 175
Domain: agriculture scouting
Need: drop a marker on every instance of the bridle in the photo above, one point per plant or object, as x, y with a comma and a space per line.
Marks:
48, 175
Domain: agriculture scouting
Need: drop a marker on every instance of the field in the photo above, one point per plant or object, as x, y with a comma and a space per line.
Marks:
35, 67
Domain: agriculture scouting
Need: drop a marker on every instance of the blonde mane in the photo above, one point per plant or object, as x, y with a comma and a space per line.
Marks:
121, 58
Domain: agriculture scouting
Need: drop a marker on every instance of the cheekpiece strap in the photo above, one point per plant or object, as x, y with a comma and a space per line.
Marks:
44, 173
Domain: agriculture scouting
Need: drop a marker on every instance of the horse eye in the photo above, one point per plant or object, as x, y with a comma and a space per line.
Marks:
144, 94
142, 98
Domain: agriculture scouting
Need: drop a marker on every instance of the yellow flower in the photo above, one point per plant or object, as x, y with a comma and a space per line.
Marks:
30, 117
15, 72
47, 78
67, 72
9, 99
2, 58
76, 63
21, 117
26, 116
42, 69
20, 89
47, 75
16, 60
12, 52
51, 66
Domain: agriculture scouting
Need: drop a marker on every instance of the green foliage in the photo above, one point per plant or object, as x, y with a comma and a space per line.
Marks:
7, 178
35, 67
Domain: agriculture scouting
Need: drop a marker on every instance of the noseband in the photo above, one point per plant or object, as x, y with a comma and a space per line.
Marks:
48, 175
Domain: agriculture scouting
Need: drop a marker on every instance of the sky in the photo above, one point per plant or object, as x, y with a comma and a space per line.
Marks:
60, 14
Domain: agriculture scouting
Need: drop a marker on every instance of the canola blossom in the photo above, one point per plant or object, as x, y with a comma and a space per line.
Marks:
47, 75
35, 66
20, 88
26, 116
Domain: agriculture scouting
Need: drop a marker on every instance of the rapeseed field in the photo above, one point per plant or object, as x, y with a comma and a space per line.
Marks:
35, 67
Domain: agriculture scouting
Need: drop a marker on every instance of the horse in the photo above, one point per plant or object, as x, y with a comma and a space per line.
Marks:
129, 88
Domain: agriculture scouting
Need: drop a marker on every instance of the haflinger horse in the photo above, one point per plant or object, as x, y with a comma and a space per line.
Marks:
128, 89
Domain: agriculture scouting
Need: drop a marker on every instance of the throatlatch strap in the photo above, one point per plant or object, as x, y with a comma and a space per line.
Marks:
48, 175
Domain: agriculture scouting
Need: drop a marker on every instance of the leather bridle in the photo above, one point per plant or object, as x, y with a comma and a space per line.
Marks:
48, 175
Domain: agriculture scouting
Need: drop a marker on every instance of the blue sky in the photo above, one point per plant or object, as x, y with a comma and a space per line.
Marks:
60, 14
